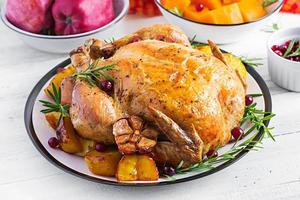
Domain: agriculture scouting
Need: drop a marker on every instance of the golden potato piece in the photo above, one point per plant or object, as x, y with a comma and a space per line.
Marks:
52, 119
146, 169
137, 167
103, 163
68, 140
57, 79
127, 170
87, 146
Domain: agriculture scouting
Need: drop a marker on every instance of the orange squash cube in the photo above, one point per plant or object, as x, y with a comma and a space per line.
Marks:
251, 10
226, 2
181, 5
211, 4
192, 13
229, 14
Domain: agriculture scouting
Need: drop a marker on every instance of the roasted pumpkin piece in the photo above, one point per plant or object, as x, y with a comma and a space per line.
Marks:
103, 163
208, 17
132, 135
211, 4
146, 169
58, 78
52, 119
181, 5
251, 10
193, 14
137, 167
127, 168
68, 140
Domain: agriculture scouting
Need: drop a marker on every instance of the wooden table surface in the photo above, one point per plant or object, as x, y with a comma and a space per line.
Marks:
270, 174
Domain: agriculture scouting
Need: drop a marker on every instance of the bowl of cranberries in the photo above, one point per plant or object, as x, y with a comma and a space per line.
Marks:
284, 58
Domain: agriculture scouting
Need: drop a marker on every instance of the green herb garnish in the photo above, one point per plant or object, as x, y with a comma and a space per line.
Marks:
253, 62
56, 105
289, 52
176, 11
267, 3
93, 74
271, 28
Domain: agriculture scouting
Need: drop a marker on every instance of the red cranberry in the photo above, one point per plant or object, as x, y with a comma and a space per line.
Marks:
279, 53
136, 39
237, 133
106, 85
53, 142
283, 48
248, 100
199, 7
170, 171
297, 59
287, 43
291, 58
275, 47
100, 147
212, 154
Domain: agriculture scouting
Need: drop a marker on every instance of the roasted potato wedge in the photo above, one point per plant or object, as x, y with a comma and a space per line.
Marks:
231, 59
52, 119
57, 79
137, 167
103, 163
87, 146
146, 169
68, 140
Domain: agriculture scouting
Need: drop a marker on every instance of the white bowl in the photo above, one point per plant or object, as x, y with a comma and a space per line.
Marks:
219, 33
65, 43
283, 72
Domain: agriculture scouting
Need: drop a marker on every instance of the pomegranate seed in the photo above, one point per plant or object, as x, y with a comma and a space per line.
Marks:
291, 59
106, 85
53, 142
279, 53
212, 154
100, 147
275, 47
237, 133
170, 171
287, 43
199, 7
248, 100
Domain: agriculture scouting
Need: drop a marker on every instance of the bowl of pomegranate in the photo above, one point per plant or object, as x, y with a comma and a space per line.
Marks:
284, 58
59, 25
223, 21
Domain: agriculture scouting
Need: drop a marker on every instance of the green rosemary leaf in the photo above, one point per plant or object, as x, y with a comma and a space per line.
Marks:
253, 62
180, 165
255, 95
176, 11
267, 3
289, 49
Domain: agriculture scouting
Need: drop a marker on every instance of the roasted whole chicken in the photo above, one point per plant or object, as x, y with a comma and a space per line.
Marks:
169, 100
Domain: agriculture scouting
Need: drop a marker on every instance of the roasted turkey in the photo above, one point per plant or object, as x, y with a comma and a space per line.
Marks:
191, 100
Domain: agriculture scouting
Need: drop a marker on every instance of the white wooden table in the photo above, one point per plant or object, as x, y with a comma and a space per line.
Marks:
270, 174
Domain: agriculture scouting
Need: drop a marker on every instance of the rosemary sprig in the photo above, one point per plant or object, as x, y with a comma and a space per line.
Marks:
56, 105
257, 118
289, 52
176, 11
271, 28
93, 73
267, 3
253, 62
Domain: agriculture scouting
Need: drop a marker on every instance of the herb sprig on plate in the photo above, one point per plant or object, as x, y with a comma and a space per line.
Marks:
258, 119
93, 73
252, 62
56, 105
